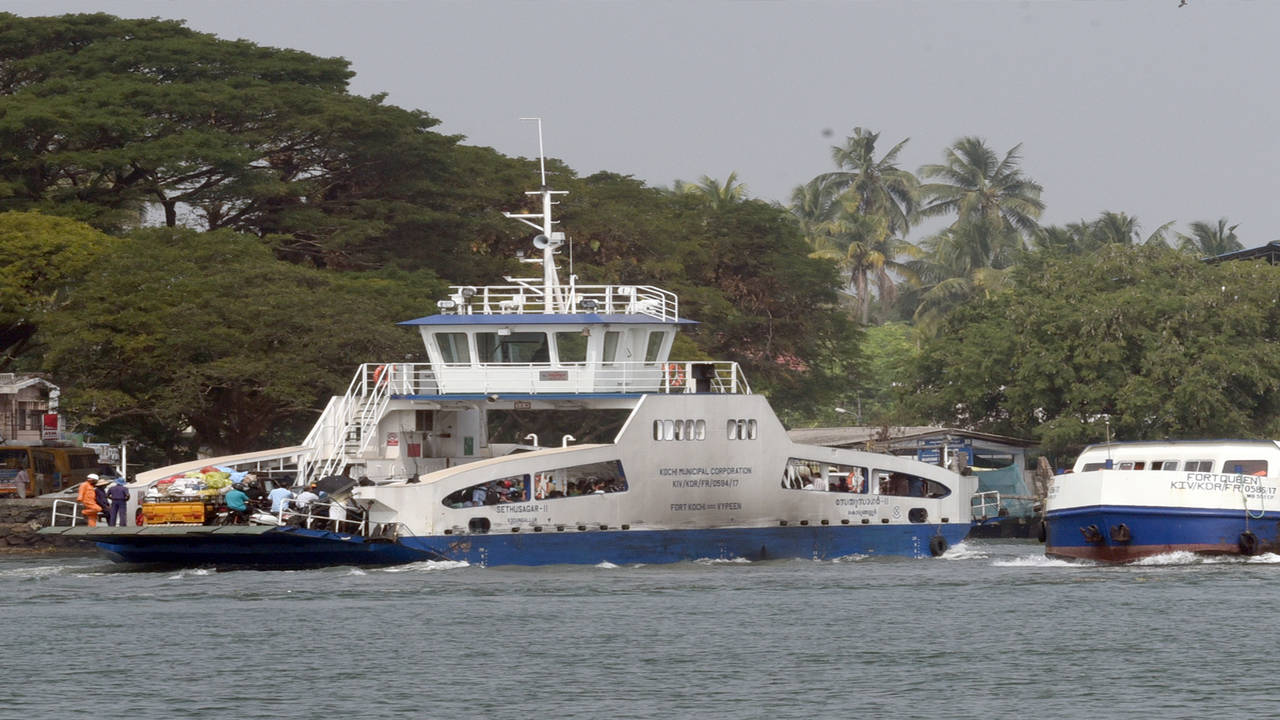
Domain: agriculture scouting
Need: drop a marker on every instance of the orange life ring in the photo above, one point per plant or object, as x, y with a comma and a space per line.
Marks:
675, 375
378, 374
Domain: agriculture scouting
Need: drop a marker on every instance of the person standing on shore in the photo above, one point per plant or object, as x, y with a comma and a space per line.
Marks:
20, 482
87, 497
118, 495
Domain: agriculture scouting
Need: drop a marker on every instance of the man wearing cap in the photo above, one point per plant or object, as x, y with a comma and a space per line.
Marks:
87, 497
118, 496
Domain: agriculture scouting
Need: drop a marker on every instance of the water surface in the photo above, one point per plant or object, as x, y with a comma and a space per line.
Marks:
992, 629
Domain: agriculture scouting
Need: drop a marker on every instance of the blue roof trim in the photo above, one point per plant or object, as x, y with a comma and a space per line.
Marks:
541, 319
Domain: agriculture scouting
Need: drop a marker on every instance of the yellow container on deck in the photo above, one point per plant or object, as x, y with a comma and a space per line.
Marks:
173, 512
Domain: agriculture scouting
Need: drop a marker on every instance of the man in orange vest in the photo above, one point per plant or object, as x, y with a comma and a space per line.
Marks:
86, 497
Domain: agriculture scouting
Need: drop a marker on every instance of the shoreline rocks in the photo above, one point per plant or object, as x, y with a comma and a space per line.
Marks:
20, 518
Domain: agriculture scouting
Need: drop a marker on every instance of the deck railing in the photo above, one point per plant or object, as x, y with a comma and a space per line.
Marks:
527, 297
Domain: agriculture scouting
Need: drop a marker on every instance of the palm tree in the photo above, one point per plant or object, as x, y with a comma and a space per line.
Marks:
880, 186
717, 195
962, 262
1208, 240
814, 205
864, 248
975, 183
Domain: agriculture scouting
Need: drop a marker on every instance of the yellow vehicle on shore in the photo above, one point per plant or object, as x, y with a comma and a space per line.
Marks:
49, 468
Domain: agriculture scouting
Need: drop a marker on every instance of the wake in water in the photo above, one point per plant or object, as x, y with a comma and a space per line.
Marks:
427, 566
961, 551
1187, 558
192, 572
722, 561
1038, 561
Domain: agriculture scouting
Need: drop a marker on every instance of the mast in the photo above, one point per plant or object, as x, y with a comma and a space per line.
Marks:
548, 240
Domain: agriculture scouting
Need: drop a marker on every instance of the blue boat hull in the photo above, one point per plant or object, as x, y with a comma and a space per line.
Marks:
278, 548
1122, 534
297, 547
625, 547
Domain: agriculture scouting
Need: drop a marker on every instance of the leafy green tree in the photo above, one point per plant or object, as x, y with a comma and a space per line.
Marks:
178, 329
1147, 338
122, 122
1208, 240
41, 258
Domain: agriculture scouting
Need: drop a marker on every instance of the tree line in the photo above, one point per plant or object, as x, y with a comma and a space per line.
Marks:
202, 238
208, 235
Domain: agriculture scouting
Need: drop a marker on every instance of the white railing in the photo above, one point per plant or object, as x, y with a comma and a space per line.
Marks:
984, 505
349, 423
527, 297
60, 510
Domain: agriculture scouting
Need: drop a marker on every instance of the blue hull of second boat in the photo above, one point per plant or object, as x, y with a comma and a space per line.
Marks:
1125, 533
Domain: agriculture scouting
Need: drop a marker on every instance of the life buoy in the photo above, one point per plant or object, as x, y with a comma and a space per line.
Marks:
378, 374
855, 482
675, 375
937, 545
1248, 543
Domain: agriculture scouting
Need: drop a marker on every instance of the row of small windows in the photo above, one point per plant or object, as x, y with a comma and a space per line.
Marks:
735, 429
741, 430
679, 429
1234, 467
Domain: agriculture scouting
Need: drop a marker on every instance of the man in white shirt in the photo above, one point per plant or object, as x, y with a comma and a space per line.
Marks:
306, 497
277, 498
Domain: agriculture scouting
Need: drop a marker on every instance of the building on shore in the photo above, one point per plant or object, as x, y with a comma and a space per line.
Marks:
28, 410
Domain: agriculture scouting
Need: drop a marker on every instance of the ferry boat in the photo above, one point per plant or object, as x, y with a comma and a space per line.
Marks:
701, 467
1125, 501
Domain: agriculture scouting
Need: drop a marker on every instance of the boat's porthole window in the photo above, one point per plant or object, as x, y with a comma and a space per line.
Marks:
751, 429
679, 430
731, 429
688, 429
742, 429
668, 430
700, 430
657, 429
1199, 466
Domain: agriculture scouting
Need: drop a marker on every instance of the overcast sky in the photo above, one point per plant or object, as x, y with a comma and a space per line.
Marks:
1145, 107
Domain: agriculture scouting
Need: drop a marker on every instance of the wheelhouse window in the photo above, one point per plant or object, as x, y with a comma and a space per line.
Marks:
516, 347
571, 347
653, 349
611, 338
453, 348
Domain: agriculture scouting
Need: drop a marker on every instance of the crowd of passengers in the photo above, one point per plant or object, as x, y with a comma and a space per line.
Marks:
497, 492
590, 485
855, 481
